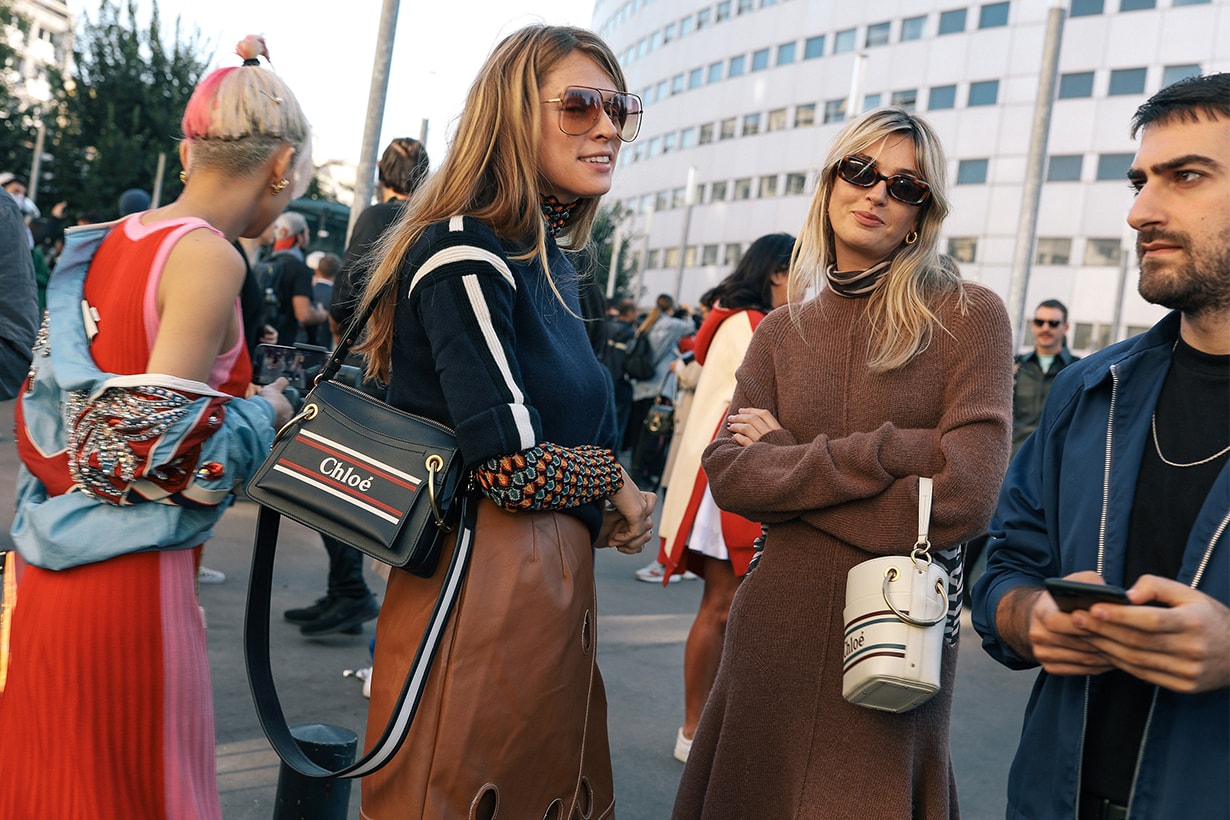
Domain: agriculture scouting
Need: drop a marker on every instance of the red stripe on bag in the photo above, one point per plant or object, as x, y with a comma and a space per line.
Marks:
316, 475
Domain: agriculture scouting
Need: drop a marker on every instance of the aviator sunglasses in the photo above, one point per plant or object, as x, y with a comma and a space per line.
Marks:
580, 106
865, 174
1051, 322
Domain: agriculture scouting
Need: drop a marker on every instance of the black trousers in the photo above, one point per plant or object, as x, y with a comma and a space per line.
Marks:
345, 570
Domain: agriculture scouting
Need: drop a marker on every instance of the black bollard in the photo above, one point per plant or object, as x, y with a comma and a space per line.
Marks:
309, 798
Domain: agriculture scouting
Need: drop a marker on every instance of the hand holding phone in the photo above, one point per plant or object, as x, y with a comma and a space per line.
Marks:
299, 364
1073, 595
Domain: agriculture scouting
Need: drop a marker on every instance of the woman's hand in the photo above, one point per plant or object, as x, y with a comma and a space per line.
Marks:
750, 424
628, 525
272, 393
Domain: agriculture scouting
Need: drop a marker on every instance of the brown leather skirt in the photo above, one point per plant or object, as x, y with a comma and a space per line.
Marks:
512, 723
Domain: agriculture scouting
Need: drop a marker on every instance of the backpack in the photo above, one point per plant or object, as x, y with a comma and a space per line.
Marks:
268, 275
615, 354
639, 363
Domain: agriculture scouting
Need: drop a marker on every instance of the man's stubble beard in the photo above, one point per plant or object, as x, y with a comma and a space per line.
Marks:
1200, 284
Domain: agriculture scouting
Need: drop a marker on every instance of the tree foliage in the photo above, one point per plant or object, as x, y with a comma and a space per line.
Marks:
121, 108
17, 119
595, 258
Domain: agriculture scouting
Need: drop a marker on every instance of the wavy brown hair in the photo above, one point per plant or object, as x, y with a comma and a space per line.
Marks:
491, 172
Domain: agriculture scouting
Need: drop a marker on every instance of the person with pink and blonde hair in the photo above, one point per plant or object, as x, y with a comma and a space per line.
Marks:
107, 707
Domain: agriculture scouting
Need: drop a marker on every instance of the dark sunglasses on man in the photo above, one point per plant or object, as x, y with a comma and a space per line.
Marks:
1051, 322
580, 106
901, 187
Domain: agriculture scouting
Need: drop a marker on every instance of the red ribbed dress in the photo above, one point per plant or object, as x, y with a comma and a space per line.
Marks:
107, 711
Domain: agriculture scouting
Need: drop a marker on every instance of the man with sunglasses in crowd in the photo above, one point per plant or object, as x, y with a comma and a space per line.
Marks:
1035, 372
1126, 481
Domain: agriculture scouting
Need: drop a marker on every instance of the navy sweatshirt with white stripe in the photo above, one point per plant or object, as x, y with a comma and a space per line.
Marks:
482, 344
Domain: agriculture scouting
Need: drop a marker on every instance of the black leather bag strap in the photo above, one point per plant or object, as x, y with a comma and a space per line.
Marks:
260, 675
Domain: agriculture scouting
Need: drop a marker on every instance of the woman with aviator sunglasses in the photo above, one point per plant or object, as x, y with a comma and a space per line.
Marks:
477, 325
895, 369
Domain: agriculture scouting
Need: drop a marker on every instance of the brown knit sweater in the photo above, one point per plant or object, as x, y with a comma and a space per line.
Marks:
837, 486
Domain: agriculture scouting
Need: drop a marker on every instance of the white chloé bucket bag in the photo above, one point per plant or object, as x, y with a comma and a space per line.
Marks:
894, 616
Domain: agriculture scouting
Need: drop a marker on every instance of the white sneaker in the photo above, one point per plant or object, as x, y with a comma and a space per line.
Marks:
205, 575
683, 746
366, 675
653, 572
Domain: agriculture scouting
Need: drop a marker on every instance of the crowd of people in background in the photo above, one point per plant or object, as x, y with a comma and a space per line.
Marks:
783, 422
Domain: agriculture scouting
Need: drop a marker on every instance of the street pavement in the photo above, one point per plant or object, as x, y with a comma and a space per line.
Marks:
642, 628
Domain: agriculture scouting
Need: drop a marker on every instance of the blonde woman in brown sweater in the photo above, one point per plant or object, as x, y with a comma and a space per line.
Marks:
896, 369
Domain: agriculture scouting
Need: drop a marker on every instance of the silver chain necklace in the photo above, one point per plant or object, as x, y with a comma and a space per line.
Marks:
1165, 460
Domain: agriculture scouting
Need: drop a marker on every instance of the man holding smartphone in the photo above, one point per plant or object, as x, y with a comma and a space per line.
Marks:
1126, 481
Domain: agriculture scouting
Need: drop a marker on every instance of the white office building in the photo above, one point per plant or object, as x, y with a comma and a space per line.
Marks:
746, 95
44, 42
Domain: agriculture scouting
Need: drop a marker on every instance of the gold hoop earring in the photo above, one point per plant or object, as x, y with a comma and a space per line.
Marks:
279, 186
183, 177
911, 237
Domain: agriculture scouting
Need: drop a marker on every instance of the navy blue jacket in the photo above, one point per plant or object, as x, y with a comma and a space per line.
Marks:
1066, 506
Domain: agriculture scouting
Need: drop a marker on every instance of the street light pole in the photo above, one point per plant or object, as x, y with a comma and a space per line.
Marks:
689, 199
640, 271
375, 111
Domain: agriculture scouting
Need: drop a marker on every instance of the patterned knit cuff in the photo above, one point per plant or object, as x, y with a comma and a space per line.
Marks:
550, 477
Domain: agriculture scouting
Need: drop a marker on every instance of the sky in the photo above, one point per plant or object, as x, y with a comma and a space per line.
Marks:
326, 57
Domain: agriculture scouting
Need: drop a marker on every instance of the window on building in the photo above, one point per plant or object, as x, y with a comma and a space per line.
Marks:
734, 252
727, 128
760, 59
677, 84
670, 258
1102, 252
1084, 8
972, 172
844, 41
1191, 2
709, 255
751, 124
985, 92
767, 186
703, 18
647, 203
963, 248
655, 40
813, 47
737, 66
1171, 74
715, 72
785, 53
1064, 168
906, 99
661, 200
647, 94
1053, 250
913, 28
706, 134
689, 256
835, 111
655, 147
651, 259
877, 34
668, 32
717, 191
1126, 81
661, 90
1090, 336
696, 78
687, 25
805, 115
677, 197
941, 97
723, 11
1136, 5
776, 120
641, 45
746, 5
687, 138
796, 184
993, 15
668, 142
1076, 84
1113, 167
871, 101
742, 189
952, 22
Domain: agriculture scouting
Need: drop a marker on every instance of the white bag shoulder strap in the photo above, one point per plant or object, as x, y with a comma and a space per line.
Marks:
924, 514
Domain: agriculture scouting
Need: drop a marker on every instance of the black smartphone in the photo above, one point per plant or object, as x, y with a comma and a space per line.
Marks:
300, 364
1074, 595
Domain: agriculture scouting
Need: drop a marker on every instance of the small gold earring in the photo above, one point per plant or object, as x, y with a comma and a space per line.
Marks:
279, 186
911, 237
183, 177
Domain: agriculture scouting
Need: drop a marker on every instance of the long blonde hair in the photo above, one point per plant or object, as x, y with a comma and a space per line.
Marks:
902, 309
491, 171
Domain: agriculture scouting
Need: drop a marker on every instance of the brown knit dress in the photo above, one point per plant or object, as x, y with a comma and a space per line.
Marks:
837, 486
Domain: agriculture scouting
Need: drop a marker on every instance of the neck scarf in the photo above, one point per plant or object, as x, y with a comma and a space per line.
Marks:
556, 213
856, 282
